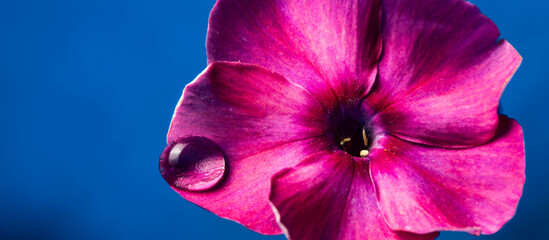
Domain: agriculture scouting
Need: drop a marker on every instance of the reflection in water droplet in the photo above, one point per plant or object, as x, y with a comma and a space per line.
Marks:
192, 163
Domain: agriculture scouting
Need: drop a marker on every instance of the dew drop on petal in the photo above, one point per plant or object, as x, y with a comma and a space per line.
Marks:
192, 163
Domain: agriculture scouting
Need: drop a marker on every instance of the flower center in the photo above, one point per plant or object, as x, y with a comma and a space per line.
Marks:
352, 137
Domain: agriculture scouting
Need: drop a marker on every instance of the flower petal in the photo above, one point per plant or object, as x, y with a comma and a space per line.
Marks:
262, 122
330, 196
331, 48
442, 72
423, 189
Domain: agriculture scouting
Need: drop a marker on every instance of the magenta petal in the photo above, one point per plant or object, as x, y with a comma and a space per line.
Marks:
246, 109
423, 189
330, 196
262, 122
325, 46
442, 72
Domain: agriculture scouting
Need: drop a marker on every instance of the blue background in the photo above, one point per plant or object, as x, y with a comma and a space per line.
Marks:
87, 92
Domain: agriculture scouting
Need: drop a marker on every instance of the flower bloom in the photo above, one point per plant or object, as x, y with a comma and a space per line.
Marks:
355, 119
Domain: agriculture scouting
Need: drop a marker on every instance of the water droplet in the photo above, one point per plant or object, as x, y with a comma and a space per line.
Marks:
192, 163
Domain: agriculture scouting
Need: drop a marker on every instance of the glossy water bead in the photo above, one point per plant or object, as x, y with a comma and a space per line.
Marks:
192, 163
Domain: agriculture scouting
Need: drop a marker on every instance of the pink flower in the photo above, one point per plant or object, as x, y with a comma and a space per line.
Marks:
365, 119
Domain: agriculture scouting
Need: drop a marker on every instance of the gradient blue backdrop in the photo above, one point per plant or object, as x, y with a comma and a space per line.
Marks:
87, 92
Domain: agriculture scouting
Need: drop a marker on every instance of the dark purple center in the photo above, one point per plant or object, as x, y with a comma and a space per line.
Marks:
350, 133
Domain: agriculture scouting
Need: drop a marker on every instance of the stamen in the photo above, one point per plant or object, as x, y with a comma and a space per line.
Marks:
364, 137
364, 153
344, 141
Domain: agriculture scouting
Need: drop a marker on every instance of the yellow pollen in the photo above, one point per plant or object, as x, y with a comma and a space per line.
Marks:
365, 138
364, 153
344, 141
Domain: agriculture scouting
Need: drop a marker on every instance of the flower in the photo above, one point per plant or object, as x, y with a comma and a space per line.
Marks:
364, 119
